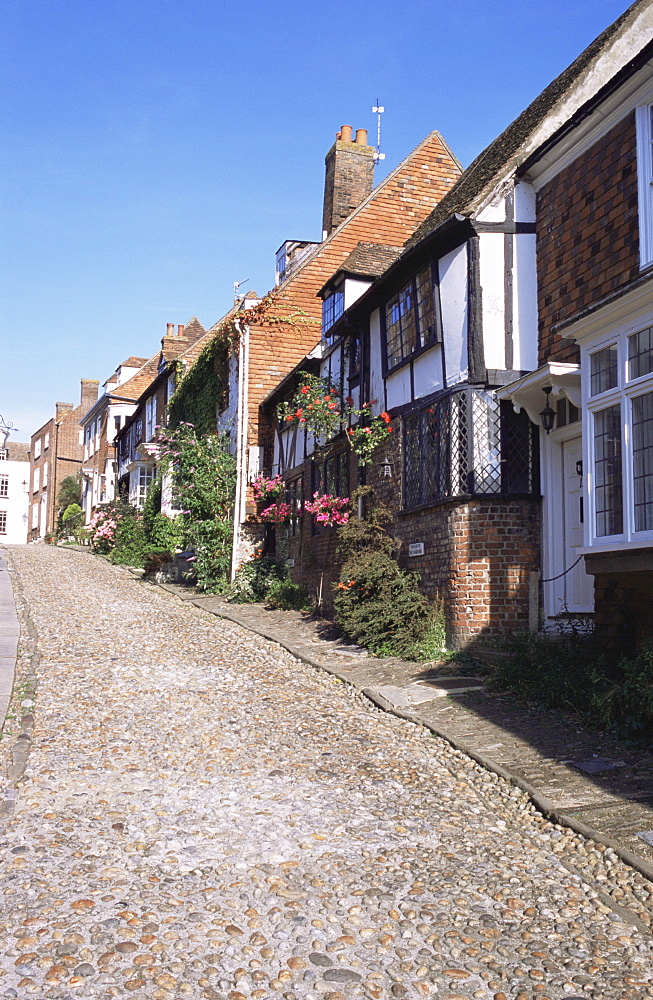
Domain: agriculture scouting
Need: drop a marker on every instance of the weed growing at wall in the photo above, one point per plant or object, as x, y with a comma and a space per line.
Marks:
576, 673
264, 580
254, 580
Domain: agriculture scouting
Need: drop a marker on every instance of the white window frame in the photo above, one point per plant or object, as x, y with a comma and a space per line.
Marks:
4, 486
3, 522
140, 480
35, 515
37, 448
36, 482
45, 474
644, 128
150, 417
46, 442
622, 394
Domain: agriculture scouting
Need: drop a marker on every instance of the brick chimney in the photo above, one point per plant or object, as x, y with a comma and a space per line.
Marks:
349, 177
89, 394
61, 409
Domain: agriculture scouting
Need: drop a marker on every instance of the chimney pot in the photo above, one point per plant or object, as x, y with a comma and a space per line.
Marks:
338, 136
345, 133
170, 329
361, 136
180, 329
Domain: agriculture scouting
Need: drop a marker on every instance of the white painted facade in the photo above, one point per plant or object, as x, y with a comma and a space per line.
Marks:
14, 501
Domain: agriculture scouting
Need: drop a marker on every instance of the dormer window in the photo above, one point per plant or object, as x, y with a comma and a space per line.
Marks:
333, 307
412, 317
280, 264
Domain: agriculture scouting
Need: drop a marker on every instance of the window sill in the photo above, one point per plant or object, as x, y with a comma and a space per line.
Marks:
468, 498
411, 357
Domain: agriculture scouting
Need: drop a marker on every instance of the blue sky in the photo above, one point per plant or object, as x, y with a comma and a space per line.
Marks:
156, 151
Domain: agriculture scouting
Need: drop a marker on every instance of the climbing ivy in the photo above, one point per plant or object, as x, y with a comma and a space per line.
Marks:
202, 389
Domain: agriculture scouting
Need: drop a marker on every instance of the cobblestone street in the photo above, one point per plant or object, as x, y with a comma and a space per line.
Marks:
203, 816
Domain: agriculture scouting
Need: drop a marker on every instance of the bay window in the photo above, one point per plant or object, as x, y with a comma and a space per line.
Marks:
468, 443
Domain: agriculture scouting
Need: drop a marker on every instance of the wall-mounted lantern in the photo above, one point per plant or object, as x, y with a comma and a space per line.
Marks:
548, 414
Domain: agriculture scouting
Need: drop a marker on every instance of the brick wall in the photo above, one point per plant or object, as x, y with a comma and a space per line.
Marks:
587, 234
69, 456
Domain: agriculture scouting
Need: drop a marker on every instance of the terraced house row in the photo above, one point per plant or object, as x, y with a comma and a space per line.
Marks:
501, 316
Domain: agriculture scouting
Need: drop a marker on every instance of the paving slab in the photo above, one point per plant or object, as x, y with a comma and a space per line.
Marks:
584, 779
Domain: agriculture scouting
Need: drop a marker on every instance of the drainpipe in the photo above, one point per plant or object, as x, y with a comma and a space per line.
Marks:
242, 421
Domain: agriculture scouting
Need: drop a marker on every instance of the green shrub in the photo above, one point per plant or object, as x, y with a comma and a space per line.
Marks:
130, 541
288, 596
72, 522
255, 579
211, 544
380, 606
152, 505
165, 532
69, 494
376, 603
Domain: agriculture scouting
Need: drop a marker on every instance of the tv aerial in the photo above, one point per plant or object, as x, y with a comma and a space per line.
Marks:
237, 296
378, 111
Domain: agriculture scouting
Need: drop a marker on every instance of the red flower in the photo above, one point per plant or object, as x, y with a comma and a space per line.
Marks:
349, 400
290, 417
299, 412
304, 389
385, 416
389, 429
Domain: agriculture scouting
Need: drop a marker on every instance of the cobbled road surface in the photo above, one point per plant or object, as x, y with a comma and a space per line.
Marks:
202, 816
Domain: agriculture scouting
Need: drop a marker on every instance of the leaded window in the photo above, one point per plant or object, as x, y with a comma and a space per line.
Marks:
3, 522
295, 497
640, 353
468, 443
412, 317
643, 461
330, 476
4, 486
608, 504
603, 370
333, 307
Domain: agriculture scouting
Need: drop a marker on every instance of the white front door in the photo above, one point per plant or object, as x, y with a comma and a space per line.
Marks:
576, 590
